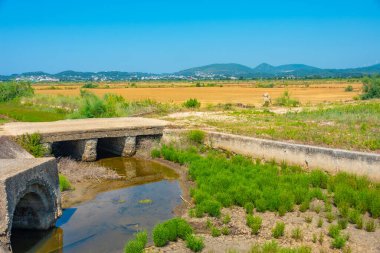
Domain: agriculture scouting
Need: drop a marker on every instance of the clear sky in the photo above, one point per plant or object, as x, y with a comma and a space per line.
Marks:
170, 35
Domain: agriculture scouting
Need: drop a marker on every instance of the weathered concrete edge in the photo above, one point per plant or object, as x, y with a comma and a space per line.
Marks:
114, 133
307, 156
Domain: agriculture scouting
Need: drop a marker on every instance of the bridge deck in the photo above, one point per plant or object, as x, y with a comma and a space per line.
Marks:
11, 167
86, 128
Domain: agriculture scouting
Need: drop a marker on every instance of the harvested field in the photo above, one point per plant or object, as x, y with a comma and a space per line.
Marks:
246, 94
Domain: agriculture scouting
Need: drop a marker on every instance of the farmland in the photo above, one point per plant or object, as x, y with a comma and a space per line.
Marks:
307, 92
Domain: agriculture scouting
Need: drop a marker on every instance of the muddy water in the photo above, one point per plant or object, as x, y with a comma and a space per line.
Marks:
105, 223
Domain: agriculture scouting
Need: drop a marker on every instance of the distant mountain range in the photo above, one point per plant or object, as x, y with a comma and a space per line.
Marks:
213, 71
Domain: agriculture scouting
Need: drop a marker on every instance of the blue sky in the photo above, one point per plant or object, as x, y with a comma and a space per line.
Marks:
167, 35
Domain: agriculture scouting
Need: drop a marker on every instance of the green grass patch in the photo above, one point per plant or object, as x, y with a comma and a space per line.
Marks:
137, 245
347, 126
223, 180
273, 247
192, 103
22, 112
371, 88
32, 144
171, 230
64, 184
195, 243
286, 100
254, 223
196, 136
278, 230
12, 90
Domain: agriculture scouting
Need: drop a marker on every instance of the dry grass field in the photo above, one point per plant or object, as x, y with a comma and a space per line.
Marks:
245, 93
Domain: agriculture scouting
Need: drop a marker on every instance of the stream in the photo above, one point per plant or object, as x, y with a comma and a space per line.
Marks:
107, 222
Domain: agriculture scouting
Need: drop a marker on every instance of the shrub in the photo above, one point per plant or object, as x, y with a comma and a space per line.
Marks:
155, 153
160, 235
286, 100
171, 227
349, 88
297, 234
305, 205
314, 239
249, 207
342, 223
371, 88
353, 215
278, 230
330, 217
320, 222
64, 184
183, 228
91, 106
254, 222
196, 136
265, 85
215, 232
226, 219
12, 90
321, 238
308, 219
194, 243
225, 230
338, 242
33, 144
192, 103
359, 222
343, 209
370, 226
137, 245
90, 86
334, 231
171, 230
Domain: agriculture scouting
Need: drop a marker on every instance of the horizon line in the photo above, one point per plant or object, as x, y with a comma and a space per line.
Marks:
161, 73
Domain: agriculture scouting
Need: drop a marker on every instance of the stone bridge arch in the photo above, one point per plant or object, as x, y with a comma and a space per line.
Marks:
29, 196
35, 207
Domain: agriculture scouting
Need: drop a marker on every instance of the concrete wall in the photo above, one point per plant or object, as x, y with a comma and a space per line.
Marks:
309, 157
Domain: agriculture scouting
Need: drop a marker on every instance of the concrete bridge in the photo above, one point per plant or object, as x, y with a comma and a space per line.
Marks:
83, 139
29, 196
29, 187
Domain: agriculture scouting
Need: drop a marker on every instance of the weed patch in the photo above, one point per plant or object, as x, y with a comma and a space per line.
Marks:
64, 184
137, 245
32, 143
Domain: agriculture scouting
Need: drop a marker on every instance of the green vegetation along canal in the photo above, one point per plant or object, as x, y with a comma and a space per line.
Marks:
107, 222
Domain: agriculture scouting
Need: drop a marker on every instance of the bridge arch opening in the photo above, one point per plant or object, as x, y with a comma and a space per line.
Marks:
35, 211
29, 212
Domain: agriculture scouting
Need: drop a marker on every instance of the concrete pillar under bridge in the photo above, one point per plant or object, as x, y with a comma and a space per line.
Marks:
120, 146
90, 149
84, 150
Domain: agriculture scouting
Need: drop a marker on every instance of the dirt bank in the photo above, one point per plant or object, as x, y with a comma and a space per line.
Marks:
86, 179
